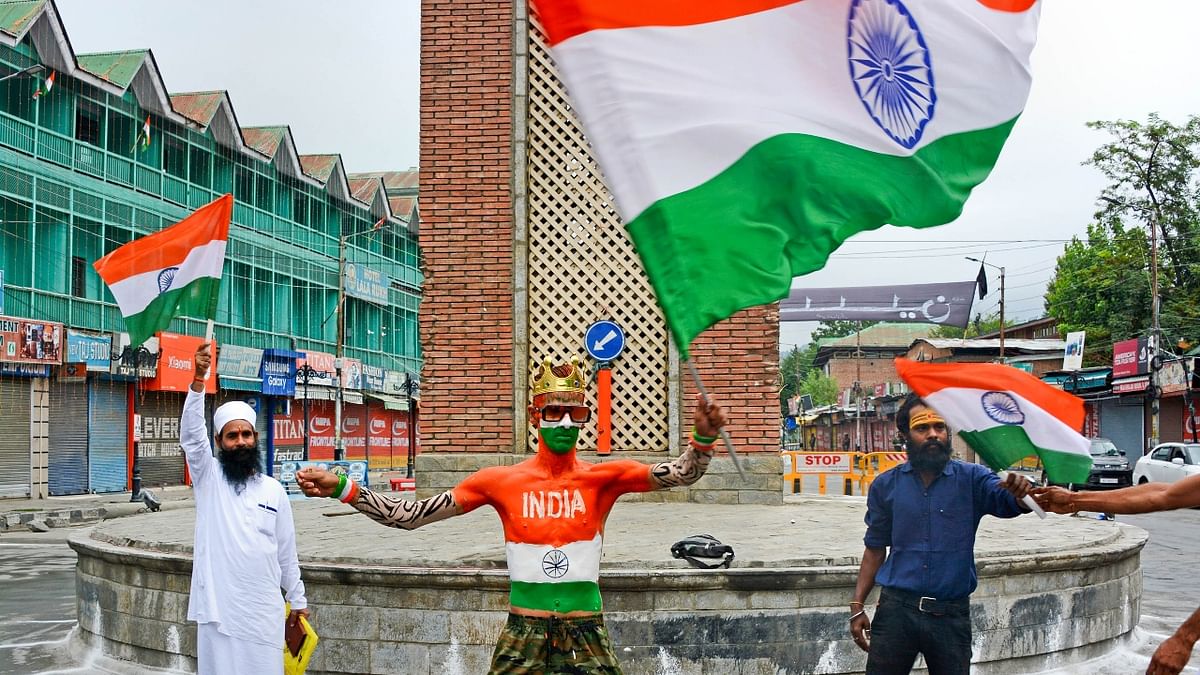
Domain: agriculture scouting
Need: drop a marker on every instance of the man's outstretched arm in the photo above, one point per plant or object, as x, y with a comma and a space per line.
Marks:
692, 463
405, 514
1146, 498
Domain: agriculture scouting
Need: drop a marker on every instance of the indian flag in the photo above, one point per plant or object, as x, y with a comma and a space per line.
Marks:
564, 578
1006, 414
173, 272
745, 140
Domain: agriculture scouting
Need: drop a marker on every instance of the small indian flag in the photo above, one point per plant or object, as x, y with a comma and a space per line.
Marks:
746, 140
1006, 414
143, 137
173, 272
49, 85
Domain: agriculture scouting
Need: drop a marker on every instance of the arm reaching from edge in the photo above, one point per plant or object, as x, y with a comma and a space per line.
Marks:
401, 513
1172, 655
691, 464
1145, 498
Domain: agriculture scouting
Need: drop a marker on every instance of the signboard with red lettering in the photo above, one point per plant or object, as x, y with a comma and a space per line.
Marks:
824, 462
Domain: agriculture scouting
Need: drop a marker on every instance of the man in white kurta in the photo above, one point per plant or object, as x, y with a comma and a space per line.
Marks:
245, 547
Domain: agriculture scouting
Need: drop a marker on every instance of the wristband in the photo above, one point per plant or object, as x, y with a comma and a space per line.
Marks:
341, 487
351, 493
860, 613
700, 447
855, 602
702, 440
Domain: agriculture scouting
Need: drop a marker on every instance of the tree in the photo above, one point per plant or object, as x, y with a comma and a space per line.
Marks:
794, 368
980, 326
837, 329
822, 388
1102, 282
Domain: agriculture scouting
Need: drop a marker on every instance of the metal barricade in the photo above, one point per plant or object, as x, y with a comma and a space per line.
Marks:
853, 471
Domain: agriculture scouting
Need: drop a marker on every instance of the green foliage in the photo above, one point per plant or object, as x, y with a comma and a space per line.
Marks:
1102, 283
980, 326
822, 388
837, 329
795, 367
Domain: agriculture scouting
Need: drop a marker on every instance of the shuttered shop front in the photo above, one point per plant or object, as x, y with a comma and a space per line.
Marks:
159, 457
14, 437
68, 437
108, 433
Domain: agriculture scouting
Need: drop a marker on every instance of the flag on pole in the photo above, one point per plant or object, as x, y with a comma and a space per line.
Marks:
49, 85
379, 225
981, 282
143, 137
745, 140
1006, 414
173, 272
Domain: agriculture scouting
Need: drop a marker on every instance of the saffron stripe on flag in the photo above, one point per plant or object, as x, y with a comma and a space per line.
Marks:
168, 247
564, 19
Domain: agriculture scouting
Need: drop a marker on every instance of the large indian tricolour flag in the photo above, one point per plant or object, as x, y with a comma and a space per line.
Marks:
1006, 414
173, 272
745, 140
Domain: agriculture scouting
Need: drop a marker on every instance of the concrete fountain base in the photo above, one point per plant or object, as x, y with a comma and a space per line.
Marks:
1051, 593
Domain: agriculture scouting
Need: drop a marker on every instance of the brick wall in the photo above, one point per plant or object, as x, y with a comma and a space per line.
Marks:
738, 361
466, 317
874, 371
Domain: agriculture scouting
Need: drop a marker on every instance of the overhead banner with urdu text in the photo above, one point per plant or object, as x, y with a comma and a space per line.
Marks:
947, 304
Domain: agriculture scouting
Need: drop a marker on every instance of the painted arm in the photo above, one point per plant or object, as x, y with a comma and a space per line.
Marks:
690, 465
1145, 498
405, 514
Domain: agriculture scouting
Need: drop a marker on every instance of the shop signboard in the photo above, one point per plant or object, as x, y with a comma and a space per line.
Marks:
323, 369
30, 341
367, 284
372, 378
278, 373
95, 351
240, 362
1131, 357
176, 364
132, 360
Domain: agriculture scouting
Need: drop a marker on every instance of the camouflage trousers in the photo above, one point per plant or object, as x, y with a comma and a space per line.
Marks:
575, 646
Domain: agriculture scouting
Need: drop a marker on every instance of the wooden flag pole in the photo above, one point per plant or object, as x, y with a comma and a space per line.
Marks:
724, 434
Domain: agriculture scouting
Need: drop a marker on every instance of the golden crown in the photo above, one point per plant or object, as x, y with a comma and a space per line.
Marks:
566, 381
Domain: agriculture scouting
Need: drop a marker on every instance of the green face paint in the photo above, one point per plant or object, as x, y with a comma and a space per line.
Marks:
560, 440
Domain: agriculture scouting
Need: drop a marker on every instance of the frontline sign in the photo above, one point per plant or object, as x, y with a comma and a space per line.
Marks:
823, 462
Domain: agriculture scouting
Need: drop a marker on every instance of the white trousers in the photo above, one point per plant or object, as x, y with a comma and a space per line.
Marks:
220, 654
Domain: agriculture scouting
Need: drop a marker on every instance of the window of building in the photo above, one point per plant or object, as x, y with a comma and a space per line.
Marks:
175, 157
78, 277
199, 166
120, 134
87, 123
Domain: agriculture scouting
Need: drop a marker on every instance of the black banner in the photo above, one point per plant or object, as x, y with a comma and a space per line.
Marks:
947, 304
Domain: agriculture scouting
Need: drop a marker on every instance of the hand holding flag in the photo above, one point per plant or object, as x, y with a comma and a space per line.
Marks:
173, 272
1006, 414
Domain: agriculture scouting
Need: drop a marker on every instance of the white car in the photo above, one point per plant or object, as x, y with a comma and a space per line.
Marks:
1167, 463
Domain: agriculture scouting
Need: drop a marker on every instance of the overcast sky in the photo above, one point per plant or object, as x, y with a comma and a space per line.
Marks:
345, 76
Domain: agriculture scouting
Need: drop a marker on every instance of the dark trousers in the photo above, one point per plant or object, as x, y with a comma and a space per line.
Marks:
904, 627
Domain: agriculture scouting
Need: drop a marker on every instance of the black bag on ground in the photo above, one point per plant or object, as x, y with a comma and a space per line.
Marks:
704, 551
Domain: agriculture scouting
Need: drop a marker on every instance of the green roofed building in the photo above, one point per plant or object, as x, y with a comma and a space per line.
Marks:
78, 179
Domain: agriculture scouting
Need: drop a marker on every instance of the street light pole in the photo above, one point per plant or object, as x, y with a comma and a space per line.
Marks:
339, 450
412, 422
983, 262
31, 70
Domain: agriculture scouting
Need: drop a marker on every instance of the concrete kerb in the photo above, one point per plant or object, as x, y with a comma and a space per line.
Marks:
23, 515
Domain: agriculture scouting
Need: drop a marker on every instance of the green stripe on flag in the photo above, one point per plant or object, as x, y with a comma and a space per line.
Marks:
198, 299
1001, 447
569, 596
739, 239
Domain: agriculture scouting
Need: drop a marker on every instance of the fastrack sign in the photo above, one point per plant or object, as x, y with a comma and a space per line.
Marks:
823, 462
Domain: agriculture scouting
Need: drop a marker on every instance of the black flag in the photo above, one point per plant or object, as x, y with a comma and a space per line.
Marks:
981, 282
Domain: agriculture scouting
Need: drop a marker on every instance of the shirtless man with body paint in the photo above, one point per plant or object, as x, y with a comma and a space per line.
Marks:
553, 507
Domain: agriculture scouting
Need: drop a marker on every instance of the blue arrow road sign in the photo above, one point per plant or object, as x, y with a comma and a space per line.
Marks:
604, 340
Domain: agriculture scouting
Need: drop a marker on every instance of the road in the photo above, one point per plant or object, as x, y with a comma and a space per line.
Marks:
37, 605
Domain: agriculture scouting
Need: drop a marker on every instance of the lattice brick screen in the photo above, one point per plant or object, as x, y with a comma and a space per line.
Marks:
582, 266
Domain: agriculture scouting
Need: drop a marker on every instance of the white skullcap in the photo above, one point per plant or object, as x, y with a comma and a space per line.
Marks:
234, 410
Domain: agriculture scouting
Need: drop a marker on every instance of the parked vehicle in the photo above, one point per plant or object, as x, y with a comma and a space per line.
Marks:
1110, 468
1167, 463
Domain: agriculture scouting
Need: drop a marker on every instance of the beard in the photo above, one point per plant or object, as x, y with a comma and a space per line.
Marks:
930, 457
239, 464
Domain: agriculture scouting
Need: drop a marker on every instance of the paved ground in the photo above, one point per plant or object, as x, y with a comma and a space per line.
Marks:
807, 531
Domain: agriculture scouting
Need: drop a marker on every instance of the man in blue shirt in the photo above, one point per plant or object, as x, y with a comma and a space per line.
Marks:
926, 511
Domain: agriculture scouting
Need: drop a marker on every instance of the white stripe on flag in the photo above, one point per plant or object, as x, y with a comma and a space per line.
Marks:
135, 293
528, 562
691, 100
963, 408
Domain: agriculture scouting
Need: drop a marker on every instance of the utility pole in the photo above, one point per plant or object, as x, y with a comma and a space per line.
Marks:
339, 448
984, 262
858, 388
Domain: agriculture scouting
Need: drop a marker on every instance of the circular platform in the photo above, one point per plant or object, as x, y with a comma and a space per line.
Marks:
433, 600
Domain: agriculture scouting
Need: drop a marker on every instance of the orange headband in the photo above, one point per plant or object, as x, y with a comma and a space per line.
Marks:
926, 416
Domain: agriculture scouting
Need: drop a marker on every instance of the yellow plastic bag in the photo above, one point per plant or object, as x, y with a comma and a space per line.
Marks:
296, 664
